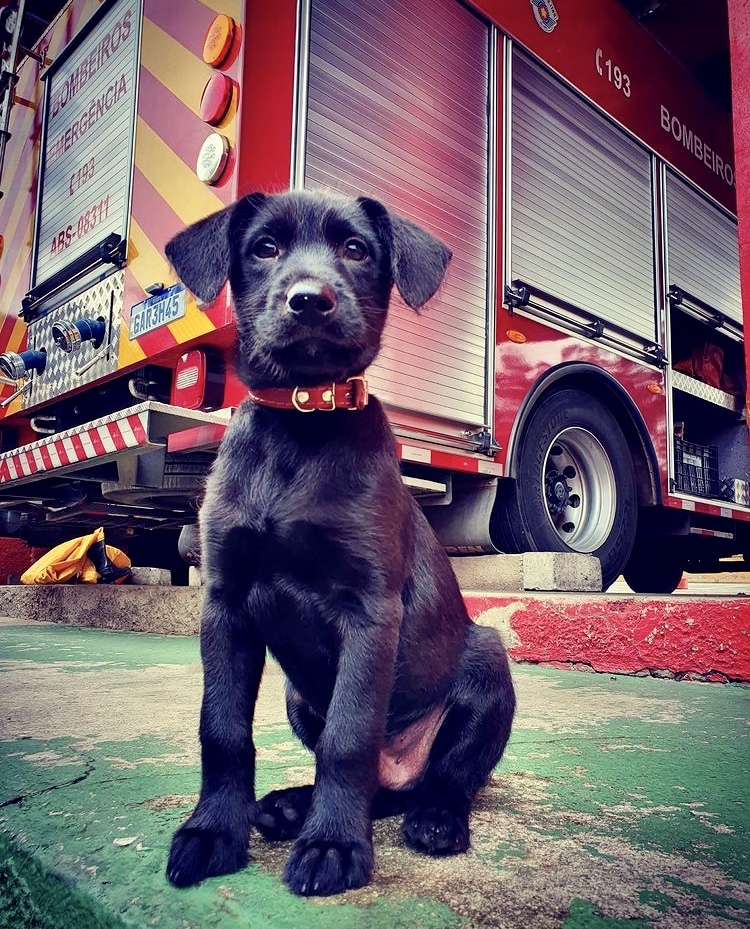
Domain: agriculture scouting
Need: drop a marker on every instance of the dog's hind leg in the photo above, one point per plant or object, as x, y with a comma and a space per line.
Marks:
467, 747
281, 814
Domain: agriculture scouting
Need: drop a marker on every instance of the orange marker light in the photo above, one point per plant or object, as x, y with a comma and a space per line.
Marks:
515, 336
653, 388
218, 40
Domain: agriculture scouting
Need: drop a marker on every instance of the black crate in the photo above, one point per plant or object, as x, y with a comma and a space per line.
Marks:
697, 469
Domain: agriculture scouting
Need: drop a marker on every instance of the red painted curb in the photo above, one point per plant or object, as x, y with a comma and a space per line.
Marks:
700, 637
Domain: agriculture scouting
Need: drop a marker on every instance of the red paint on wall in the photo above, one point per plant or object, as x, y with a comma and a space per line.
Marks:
15, 557
739, 44
685, 635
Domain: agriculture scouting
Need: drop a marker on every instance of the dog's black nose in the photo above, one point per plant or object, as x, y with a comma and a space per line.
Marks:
309, 299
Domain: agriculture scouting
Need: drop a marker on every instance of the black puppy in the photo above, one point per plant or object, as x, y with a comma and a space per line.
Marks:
313, 548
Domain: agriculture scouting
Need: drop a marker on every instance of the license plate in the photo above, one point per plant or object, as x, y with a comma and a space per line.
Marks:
156, 311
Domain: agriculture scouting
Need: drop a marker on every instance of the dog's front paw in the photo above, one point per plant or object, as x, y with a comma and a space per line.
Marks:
199, 852
436, 830
321, 868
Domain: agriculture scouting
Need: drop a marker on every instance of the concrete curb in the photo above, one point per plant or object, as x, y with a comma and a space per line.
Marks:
690, 638
164, 610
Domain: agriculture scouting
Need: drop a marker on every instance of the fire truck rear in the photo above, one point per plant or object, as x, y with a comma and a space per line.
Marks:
577, 385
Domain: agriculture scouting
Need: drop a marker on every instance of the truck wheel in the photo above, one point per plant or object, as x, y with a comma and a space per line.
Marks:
653, 570
575, 487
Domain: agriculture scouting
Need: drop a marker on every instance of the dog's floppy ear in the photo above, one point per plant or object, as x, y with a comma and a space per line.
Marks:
200, 254
418, 259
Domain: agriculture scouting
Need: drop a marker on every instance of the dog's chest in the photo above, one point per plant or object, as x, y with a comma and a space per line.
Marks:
285, 508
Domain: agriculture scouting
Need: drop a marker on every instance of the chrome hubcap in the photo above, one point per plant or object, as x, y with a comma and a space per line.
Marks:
579, 489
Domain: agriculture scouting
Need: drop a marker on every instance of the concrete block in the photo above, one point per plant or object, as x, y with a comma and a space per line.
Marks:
165, 610
561, 571
150, 577
530, 571
489, 572
194, 576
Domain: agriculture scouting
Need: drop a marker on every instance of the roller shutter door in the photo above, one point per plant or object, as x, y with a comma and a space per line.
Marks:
703, 250
581, 206
397, 110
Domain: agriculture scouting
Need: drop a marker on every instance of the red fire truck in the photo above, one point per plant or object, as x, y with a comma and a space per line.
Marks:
577, 385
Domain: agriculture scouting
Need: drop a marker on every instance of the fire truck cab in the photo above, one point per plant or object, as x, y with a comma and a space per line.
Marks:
578, 384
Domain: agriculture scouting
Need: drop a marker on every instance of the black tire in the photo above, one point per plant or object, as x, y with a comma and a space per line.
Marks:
653, 569
575, 489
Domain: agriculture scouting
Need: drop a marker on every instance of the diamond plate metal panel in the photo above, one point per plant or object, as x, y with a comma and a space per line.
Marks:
65, 371
696, 388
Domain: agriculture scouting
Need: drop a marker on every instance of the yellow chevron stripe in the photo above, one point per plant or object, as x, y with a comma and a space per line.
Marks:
16, 153
16, 337
15, 407
232, 8
150, 266
21, 244
179, 71
129, 352
176, 182
16, 225
145, 261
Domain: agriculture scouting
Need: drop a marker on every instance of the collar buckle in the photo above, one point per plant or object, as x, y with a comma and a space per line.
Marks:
301, 396
360, 392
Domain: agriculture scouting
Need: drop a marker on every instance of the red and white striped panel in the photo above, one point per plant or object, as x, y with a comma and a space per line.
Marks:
725, 511
105, 436
447, 460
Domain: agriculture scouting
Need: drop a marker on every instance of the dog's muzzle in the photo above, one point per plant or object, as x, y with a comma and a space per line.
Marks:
311, 302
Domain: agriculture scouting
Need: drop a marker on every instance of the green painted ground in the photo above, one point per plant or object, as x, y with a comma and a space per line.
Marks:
622, 802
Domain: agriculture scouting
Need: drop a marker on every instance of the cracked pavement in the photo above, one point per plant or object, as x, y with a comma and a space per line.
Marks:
620, 801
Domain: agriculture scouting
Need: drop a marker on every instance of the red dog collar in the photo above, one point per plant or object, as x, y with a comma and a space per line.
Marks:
351, 395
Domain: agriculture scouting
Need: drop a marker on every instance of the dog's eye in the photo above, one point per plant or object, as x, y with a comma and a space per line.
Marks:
355, 250
265, 247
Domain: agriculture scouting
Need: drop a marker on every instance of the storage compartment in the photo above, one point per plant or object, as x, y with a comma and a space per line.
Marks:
706, 350
696, 468
708, 362
711, 457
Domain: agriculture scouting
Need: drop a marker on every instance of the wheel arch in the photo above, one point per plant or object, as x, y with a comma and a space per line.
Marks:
605, 387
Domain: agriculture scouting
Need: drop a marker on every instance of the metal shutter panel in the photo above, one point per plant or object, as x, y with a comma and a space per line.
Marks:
397, 110
703, 250
581, 208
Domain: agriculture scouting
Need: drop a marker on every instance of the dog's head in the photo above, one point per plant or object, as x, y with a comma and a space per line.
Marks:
311, 276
